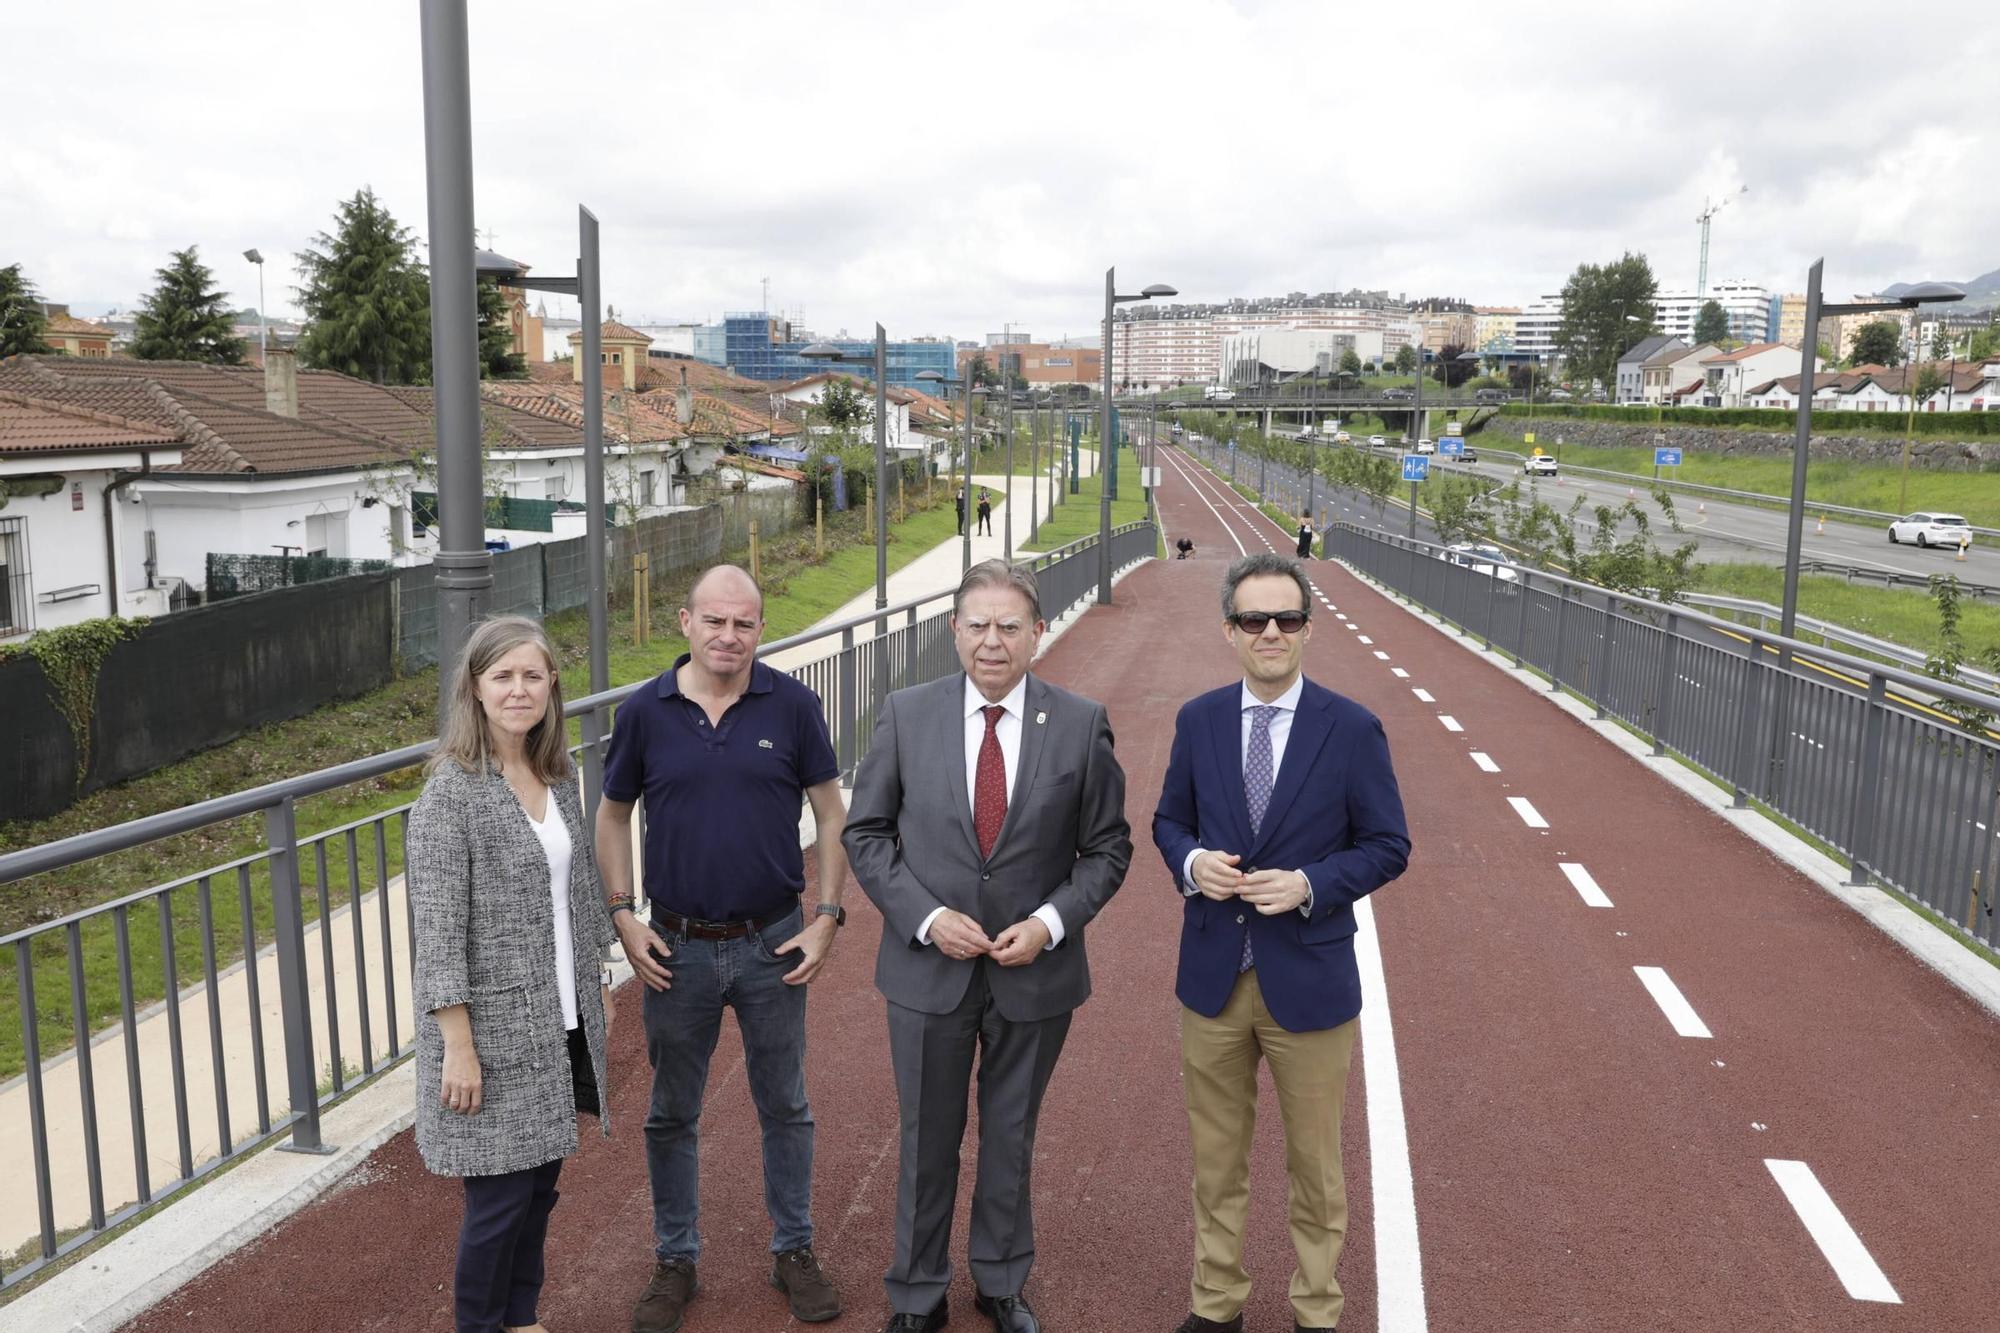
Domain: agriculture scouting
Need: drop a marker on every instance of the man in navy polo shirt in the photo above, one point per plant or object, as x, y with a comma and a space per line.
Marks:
722, 748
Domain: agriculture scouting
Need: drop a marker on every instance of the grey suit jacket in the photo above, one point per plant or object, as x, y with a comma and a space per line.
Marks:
485, 938
910, 842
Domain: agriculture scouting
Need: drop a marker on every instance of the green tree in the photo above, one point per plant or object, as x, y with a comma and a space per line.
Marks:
981, 371
1952, 654
1460, 508
497, 358
185, 318
22, 322
843, 406
1879, 343
1930, 379
366, 297
1452, 372
1711, 325
1606, 307
1406, 359
1350, 362
1985, 343
1940, 342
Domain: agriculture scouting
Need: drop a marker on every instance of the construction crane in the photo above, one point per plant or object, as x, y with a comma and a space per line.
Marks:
1708, 212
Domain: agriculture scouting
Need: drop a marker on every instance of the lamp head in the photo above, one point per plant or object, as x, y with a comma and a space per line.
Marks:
1932, 293
820, 352
253, 255
1159, 289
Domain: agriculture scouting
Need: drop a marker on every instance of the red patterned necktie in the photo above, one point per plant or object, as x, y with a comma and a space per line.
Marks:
989, 790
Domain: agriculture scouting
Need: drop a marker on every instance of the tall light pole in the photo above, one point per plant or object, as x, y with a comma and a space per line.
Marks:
1106, 454
963, 502
829, 352
263, 320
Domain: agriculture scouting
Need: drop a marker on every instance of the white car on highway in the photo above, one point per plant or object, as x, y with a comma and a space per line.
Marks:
1376, 441
1931, 530
1487, 560
1541, 465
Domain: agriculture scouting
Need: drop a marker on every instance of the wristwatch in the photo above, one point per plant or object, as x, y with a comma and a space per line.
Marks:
834, 910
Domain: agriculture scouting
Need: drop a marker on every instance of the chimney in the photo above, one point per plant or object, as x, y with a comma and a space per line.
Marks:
684, 401
281, 382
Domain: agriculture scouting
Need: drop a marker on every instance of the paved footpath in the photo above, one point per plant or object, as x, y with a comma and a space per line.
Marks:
1582, 1154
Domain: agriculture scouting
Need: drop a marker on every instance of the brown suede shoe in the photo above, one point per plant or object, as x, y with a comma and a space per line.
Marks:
664, 1303
797, 1273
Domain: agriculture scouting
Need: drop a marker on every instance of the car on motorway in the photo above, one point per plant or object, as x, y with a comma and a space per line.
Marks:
1376, 441
1931, 530
1342, 437
1485, 396
1398, 395
1487, 560
1468, 454
1541, 465
1427, 446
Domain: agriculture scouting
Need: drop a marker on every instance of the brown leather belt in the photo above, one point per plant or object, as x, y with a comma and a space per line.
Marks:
689, 928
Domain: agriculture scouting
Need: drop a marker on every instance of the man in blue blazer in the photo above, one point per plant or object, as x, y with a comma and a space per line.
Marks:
1280, 811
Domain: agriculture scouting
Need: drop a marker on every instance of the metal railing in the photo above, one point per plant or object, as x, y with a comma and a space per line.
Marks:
1908, 796
318, 923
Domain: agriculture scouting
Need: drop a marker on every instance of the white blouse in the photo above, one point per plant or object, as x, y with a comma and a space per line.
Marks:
554, 834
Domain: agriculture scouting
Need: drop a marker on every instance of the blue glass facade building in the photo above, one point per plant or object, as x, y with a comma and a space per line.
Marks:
751, 353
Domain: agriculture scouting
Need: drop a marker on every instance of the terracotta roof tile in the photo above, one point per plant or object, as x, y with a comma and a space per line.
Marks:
31, 425
75, 327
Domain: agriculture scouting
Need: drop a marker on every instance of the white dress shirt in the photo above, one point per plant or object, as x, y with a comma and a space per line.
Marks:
1008, 732
1280, 728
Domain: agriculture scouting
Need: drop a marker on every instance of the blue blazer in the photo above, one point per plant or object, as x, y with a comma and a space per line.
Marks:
1335, 814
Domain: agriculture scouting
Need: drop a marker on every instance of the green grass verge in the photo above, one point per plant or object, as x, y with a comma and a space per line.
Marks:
1900, 615
799, 590
1077, 516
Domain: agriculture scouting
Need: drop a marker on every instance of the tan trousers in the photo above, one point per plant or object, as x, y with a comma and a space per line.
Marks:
1219, 1073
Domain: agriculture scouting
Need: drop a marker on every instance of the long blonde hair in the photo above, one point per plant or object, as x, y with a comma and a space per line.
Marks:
464, 740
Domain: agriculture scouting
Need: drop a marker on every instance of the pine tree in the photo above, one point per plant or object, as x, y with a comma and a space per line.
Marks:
366, 297
497, 358
185, 318
21, 320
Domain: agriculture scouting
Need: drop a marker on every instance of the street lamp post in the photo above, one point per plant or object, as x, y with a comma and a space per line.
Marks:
263, 320
962, 501
1105, 453
829, 352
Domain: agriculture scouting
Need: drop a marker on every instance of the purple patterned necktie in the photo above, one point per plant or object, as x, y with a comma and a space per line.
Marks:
1257, 777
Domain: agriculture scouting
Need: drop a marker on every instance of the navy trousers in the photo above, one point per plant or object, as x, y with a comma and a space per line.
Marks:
499, 1279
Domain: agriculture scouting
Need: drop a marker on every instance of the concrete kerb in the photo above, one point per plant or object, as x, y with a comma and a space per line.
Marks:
1932, 946
154, 1257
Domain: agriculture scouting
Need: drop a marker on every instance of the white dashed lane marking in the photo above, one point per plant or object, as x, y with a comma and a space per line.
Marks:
1586, 887
1450, 723
1424, 695
1399, 673
1485, 762
1849, 1258
1529, 815
1672, 1003
1366, 639
1380, 655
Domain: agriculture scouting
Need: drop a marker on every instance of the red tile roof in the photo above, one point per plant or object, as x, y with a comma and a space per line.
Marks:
78, 328
30, 425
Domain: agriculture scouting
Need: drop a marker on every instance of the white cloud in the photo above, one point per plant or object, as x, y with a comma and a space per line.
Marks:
945, 168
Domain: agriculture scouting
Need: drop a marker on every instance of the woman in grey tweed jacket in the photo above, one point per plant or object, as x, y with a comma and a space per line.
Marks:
511, 1034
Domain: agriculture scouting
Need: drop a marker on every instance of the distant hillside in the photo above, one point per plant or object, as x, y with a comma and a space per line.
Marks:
1983, 290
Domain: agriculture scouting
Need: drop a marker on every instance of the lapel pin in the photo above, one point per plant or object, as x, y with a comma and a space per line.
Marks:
1041, 718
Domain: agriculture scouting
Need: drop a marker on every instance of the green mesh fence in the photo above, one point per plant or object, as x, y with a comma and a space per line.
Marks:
237, 575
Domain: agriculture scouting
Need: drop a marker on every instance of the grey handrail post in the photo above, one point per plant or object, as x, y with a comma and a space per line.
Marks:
1492, 605
281, 835
38, 1113
1556, 657
1664, 691
1747, 717
1604, 645
1521, 621
1868, 784
848, 712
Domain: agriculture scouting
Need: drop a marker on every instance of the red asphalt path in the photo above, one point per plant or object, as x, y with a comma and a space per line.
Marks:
1576, 1164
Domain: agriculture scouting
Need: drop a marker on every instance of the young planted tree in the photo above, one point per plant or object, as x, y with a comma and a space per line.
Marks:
21, 320
366, 297
185, 318
1350, 362
1406, 359
1711, 325
1878, 343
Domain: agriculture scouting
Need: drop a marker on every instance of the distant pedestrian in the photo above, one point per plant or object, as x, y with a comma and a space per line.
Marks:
512, 1002
958, 503
985, 514
724, 750
1305, 538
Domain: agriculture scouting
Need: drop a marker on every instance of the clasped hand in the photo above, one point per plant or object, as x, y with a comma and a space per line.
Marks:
1270, 891
957, 935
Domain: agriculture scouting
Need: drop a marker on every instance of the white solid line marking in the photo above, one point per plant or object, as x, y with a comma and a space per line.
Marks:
1672, 1003
1843, 1249
1399, 1269
1485, 762
1450, 722
1529, 815
1586, 887
1366, 639
1424, 695
1399, 673
1381, 655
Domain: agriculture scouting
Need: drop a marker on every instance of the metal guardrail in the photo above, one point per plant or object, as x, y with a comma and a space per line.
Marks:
327, 1038
1831, 634
1910, 799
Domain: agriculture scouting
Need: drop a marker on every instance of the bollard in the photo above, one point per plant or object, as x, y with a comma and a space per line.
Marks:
1964, 543
755, 563
1822, 525
642, 598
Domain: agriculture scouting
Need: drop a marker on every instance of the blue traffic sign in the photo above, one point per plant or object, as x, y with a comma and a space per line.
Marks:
1451, 446
1666, 458
1416, 467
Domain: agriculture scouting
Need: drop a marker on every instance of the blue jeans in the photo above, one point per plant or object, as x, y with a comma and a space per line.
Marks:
682, 1024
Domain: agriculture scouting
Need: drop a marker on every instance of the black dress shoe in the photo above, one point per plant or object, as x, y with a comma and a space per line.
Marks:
1297, 1327
1010, 1314
1194, 1323
921, 1323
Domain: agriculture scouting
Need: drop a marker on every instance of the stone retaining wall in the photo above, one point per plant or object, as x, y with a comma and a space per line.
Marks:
1935, 455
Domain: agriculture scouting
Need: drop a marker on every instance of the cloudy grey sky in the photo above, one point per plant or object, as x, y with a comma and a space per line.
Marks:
945, 168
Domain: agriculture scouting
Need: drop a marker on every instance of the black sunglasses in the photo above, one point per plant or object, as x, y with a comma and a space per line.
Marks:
1253, 622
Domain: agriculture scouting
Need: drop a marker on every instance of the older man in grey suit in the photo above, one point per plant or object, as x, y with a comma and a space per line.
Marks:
988, 825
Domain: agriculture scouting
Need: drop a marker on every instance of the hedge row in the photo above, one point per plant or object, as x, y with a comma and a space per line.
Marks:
1933, 424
